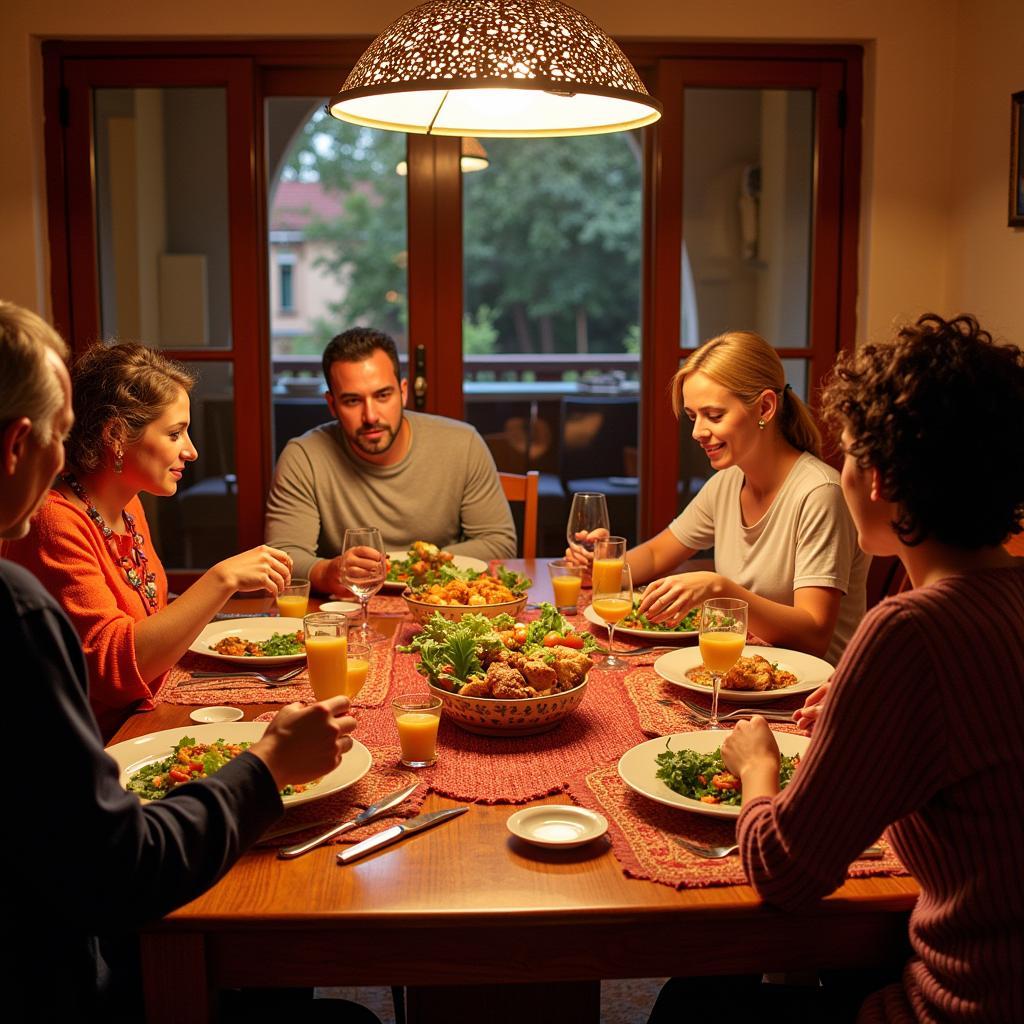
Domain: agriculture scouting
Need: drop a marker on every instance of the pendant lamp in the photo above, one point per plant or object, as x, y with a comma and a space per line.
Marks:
503, 68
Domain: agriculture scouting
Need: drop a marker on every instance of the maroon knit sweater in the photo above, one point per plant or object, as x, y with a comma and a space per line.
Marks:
923, 732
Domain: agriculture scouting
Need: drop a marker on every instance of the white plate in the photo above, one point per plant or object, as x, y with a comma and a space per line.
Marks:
562, 825
637, 767
131, 755
247, 629
662, 636
459, 561
342, 607
810, 673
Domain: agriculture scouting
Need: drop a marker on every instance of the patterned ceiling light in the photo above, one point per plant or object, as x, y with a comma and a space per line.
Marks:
512, 68
474, 158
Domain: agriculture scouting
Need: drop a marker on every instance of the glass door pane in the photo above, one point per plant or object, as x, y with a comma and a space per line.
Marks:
748, 203
551, 328
336, 248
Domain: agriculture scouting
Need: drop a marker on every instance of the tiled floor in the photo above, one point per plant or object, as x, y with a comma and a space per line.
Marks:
622, 1002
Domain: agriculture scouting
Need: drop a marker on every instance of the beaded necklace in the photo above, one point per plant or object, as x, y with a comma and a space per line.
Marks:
134, 561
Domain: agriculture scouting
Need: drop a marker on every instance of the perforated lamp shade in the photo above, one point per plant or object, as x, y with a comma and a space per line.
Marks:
506, 68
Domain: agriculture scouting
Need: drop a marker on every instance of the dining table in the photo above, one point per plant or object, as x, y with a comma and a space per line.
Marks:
474, 923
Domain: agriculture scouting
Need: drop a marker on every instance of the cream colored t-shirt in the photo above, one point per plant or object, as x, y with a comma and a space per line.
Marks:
806, 539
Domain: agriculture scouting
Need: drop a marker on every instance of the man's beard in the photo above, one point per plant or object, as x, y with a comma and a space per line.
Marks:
385, 442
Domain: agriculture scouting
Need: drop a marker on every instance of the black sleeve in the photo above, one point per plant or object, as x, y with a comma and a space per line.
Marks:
95, 856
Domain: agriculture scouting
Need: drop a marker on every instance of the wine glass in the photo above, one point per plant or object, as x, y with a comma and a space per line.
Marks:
589, 512
363, 581
723, 632
613, 601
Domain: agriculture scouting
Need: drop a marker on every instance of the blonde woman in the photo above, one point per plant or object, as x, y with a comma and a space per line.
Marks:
773, 511
90, 544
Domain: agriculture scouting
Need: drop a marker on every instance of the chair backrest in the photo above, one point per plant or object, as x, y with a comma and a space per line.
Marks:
523, 487
596, 430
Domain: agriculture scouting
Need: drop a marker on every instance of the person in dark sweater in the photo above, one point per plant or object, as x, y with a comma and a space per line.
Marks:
91, 859
920, 728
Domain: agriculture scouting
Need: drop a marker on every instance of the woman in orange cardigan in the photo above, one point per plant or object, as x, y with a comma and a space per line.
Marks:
90, 544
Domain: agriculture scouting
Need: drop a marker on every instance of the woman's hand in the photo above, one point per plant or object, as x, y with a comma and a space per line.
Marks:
303, 743
751, 753
262, 568
576, 554
806, 716
667, 600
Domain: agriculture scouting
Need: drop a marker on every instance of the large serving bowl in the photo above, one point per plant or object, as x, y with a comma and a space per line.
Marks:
421, 611
530, 716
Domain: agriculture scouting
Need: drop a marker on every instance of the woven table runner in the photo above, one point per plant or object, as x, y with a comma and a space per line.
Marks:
644, 838
175, 689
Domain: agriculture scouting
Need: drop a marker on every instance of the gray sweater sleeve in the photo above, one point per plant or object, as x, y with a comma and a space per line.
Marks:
487, 524
293, 513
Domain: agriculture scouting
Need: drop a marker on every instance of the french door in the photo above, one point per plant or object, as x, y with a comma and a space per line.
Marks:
166, 161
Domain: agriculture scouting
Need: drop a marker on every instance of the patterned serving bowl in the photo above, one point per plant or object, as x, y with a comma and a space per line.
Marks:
487, 716
421, 611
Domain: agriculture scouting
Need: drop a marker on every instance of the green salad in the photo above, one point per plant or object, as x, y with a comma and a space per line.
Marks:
190, 761
704, 777
689, 623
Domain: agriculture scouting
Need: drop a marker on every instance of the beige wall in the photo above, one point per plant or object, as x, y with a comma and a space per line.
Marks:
934, 232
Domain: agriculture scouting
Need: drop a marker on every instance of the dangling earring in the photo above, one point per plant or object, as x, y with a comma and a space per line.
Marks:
118, 461
760, 426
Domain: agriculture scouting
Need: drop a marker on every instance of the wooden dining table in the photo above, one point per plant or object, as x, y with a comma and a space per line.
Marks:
478, 925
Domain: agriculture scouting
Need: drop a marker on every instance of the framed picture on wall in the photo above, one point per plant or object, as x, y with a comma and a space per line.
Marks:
1016, 218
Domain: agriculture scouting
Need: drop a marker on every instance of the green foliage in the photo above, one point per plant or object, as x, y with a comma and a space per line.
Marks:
551, 238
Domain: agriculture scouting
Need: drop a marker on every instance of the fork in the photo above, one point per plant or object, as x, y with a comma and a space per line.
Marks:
270, 681
768, 715
717, 852
639, 652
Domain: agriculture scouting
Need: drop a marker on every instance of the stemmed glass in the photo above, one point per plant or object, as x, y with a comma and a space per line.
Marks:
613, 601
723, 632
589, 512
364, 581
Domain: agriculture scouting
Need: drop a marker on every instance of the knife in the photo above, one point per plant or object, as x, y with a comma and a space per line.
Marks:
371, 812
397, 832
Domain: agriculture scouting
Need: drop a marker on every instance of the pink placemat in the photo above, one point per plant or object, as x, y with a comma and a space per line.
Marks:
645, 834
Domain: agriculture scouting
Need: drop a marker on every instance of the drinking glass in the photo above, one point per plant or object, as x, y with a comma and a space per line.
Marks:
327, 653
589, 512
566, 581
357, 667
293, 600
417, 716
364, 583
723, 632
613, 601
609, 558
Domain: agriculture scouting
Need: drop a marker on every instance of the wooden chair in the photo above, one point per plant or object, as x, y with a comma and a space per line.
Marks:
523, 487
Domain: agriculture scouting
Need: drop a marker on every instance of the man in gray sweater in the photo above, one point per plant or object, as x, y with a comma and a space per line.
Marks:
414, 476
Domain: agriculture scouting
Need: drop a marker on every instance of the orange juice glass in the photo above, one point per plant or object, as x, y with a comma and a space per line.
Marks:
613, 609
566, 581
721, 650
327, 653
358, 667
417, 717
723, 632
605, 574
293, 601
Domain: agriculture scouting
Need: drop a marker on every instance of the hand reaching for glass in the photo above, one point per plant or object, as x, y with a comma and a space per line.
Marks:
259, 568
581, 547
363, 565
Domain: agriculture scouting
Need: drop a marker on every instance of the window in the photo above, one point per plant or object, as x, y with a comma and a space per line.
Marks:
286, 282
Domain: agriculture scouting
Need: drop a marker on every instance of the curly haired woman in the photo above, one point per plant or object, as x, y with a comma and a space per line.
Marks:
920, 730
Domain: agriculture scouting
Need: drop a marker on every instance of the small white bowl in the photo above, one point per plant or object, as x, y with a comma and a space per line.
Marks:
216, 714
343, 607
561, 825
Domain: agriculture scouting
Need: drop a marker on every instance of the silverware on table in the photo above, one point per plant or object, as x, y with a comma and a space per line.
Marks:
397, 832
639, 652
371, 812
259, 677
732, 716
718, 852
